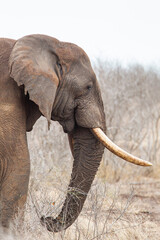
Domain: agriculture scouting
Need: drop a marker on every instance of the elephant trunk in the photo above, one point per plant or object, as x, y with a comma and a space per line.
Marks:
87, 152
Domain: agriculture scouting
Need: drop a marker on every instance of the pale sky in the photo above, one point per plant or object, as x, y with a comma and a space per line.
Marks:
123, 30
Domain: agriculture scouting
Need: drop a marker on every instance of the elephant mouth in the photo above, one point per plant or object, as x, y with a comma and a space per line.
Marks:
68, 123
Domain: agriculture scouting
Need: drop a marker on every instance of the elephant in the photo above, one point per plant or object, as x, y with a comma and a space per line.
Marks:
42, 76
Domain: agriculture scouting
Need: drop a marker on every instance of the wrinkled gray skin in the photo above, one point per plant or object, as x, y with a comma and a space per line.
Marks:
40, 75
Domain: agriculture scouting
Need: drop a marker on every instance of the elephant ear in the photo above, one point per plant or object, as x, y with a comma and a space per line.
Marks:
32, 64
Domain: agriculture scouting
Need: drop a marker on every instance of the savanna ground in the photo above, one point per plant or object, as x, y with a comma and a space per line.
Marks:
124, 201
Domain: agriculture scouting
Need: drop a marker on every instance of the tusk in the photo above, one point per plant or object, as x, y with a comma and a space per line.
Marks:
101, 136
70, 139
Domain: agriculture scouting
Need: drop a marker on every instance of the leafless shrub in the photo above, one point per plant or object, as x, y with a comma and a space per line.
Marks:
101, 212
132, 106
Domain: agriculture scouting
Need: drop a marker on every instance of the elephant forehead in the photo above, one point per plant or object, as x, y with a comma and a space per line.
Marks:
72, 52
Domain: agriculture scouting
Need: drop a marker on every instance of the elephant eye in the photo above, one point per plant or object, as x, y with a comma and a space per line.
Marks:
60, 68
89, 87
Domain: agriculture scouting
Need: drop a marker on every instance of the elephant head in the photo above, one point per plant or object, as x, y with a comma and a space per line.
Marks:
60, 80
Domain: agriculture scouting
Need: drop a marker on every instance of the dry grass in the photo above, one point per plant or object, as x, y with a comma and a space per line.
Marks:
112, 211
124, 200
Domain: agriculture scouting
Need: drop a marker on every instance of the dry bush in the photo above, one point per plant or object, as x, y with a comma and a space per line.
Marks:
132, 106
107, 214
103, 216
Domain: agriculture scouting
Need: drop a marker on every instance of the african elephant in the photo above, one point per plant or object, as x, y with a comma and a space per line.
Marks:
40, 75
